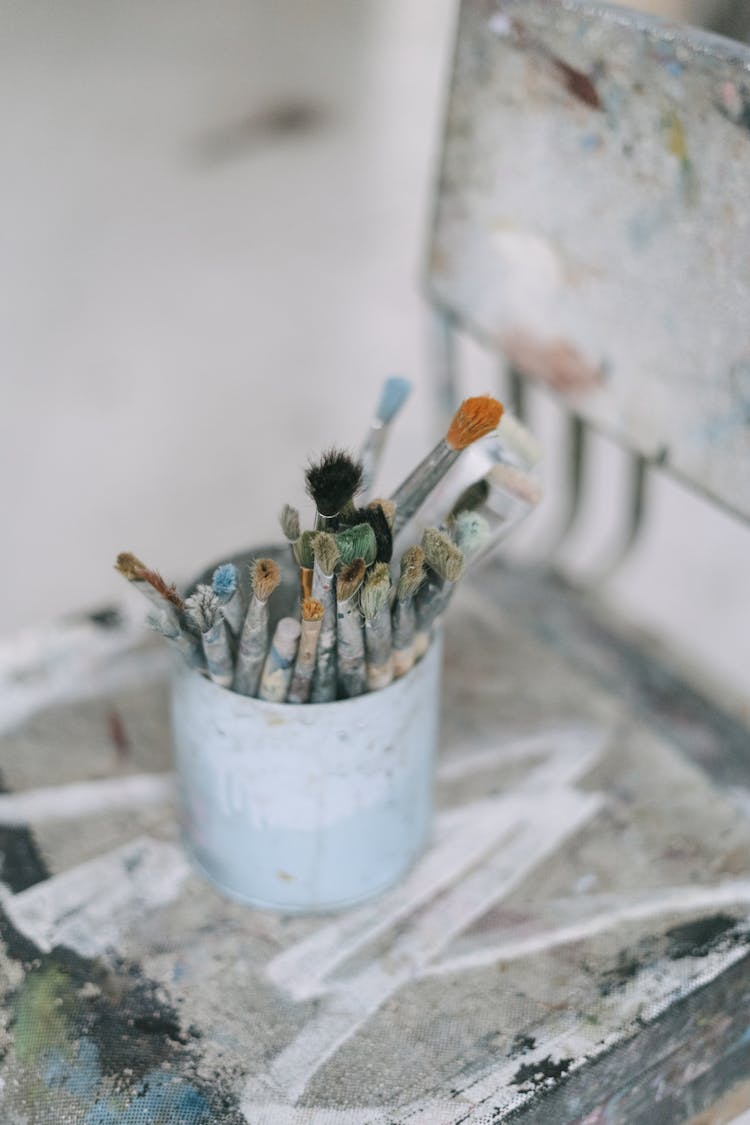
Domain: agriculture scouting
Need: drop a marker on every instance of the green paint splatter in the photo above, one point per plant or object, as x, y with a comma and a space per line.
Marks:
42, 1012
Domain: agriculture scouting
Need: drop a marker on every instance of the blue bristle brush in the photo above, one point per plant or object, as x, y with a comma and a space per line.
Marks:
396, 391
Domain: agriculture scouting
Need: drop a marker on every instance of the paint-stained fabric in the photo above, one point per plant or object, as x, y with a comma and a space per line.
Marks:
572, 947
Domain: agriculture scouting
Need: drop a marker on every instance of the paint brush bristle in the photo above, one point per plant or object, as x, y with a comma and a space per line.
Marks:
412, 573
135, 571
202, 608
378, 521
326, 551
129, 566
395, 392
471, 498
289, 520
357, 543
471, 531
312, 610
474, 419
387, 506
375, 590
303, 550
265, 577
350, 579
224, 581
445, 558
333, 481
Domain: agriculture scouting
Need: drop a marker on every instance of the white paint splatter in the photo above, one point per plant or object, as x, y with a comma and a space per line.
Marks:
90, 907
82, 798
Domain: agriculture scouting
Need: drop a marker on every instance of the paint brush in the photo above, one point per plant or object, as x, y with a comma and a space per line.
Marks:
470, 499
350, 642
404, 614
278, 666
203, 609
251, 653
517, 442
474, 419
332, 482
387, 507
186, 644
471, 534
357, 543
375, 516
153, 587
225, 584
312, 622
326, 556
445, 565
374, 602
303, 554
290, 526
396, 391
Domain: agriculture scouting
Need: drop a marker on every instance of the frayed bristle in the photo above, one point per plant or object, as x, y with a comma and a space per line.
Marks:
376, 518
129, 566
312, 610
202, 608
445, 558
375, 591
350, 579
412, 573
155, 580
224, 581
289, 520
333, 481
357, 543
470, 532
395, 392
387, 506
471, 498
474, 419
265, 577
303, 550
516, 482
326, 551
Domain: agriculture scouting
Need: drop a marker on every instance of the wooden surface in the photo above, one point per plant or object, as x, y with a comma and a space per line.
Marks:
572, 948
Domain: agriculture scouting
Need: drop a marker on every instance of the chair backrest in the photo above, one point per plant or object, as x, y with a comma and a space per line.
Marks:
592, 223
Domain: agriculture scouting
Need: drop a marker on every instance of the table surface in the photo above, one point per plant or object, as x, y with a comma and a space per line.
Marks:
573, 947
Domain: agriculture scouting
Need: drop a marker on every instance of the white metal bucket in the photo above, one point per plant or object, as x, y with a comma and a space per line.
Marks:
306, 807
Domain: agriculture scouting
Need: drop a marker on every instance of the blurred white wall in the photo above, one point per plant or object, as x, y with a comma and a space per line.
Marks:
212, 224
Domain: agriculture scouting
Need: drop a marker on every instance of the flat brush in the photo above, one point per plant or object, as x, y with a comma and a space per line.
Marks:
277, 669
404, 614
332, 482
445, 565
251, 654
387, 507
474, 419
350, 642
225, 585
374, 603
375, 516
204, 611
471, 533
357, 543
326, 555
396, 391
312, 621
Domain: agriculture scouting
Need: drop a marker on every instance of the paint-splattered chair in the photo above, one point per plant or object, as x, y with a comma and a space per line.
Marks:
591, 234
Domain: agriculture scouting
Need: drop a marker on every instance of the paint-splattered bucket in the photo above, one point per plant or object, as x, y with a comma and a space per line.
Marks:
311, 807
